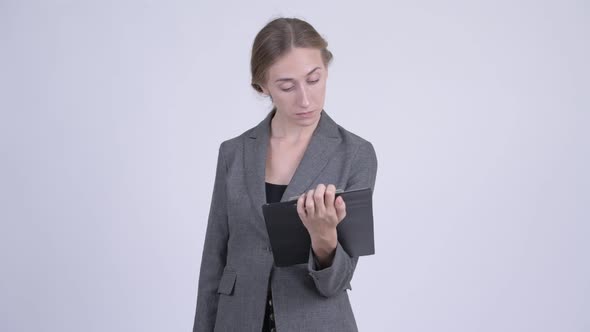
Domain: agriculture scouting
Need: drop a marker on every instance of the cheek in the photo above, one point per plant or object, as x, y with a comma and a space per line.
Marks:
319, 91
283, 98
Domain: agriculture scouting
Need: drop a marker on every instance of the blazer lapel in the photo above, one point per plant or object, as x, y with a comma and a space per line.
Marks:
322, 145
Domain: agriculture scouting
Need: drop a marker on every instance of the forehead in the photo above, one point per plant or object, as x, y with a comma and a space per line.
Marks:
297, 63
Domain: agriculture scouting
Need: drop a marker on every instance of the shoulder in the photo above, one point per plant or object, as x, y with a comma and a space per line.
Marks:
348, 137
353, 143
232, 148
357, 145
350, 140
231, 144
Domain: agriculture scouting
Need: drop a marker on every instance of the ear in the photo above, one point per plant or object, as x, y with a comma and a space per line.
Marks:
265, 90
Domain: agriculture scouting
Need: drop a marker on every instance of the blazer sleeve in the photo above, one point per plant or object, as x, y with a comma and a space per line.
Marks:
335, 278
214, 251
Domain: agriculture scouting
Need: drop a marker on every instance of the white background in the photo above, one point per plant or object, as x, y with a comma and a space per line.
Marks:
112, 113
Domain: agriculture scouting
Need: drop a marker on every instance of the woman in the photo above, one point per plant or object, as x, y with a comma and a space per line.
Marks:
297, 150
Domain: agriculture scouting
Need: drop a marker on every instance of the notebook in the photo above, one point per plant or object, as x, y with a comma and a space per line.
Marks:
290, 240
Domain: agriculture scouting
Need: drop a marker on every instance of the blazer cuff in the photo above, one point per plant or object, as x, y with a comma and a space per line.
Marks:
333, 278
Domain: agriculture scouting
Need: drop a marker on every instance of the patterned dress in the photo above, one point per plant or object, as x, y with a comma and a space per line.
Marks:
274, 192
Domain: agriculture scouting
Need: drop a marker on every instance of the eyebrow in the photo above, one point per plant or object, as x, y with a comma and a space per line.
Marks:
290, 79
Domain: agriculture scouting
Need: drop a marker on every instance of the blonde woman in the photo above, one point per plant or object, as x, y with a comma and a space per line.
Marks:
296, 150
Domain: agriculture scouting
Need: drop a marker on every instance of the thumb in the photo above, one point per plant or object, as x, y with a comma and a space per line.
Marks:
340, 208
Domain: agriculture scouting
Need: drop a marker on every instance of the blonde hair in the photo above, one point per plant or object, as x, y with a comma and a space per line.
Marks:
278, 37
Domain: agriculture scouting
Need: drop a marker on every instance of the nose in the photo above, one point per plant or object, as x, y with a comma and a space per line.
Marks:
303, 97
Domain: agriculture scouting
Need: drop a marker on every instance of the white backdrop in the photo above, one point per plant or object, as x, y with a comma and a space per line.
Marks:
112, 113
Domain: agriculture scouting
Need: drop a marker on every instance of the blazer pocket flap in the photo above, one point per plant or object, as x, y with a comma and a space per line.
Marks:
227, 282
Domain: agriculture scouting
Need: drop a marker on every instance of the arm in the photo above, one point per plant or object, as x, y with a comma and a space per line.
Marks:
336, 276
214, 251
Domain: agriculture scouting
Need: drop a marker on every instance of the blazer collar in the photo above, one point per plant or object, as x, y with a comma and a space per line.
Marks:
322, 145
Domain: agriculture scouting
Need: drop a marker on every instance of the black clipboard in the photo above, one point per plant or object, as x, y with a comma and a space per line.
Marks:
290, 240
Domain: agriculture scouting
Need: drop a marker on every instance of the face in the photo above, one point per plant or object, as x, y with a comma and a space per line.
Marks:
297, 85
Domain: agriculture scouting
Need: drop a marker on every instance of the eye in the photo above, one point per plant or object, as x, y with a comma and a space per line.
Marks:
287, 90
314, 82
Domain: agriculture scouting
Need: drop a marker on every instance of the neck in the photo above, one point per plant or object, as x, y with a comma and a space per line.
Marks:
284, 129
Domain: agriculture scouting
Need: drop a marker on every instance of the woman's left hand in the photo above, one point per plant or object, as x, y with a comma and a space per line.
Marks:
320, 214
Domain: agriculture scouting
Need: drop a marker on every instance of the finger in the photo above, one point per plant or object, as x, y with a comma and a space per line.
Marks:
309, 205
329, 197
340, 208
301, 207
318, 198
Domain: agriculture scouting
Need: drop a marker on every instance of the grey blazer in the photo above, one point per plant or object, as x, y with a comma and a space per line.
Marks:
237, 261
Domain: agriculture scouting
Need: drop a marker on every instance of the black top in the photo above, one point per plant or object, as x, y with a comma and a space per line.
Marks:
274, 192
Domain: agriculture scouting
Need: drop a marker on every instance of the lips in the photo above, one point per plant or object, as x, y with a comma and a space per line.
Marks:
304, 113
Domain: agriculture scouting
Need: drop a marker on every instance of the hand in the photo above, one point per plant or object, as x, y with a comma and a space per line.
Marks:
321, 214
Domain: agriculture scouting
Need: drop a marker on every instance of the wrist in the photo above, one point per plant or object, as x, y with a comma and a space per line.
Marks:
324, 245
327, 239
